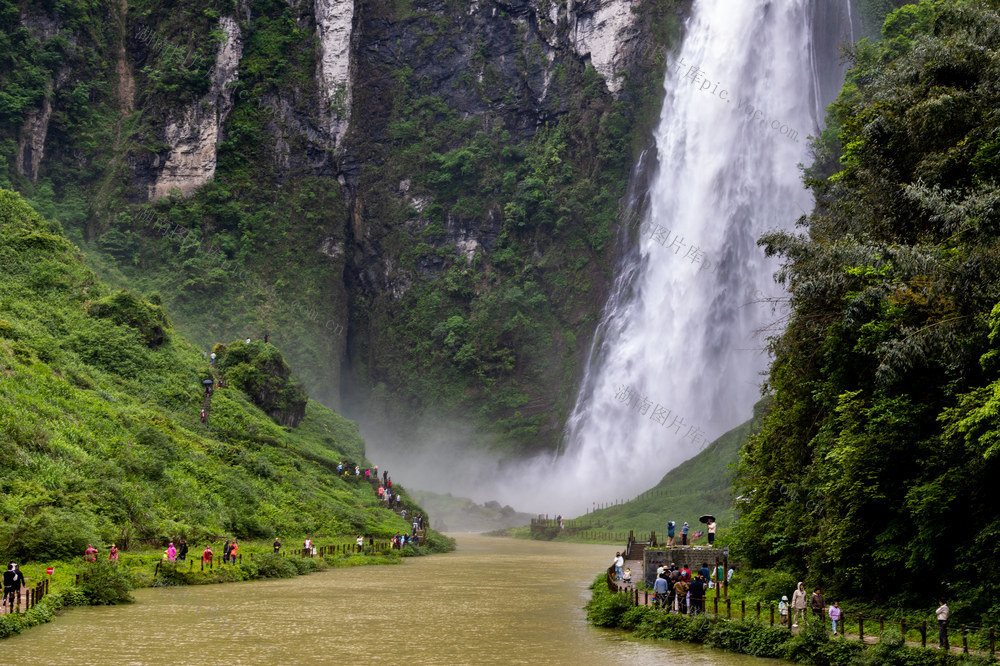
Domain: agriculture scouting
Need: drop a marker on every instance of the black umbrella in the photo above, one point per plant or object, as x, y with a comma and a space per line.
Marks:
707, 518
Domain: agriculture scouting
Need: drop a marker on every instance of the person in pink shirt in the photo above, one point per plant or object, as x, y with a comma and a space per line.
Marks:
171, 552
90, 554
113, 553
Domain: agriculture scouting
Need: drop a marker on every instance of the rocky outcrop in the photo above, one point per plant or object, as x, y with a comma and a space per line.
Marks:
334, 19
194, 133
31, 145
604, 31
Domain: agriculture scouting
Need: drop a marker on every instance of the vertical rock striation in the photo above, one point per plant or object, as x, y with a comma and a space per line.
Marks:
334, 19
194, 133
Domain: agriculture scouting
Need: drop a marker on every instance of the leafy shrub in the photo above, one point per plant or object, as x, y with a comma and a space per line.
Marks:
809, 642
129, 309
305, 564
635, 616
606, 608
106, 583
273, 566
675, 627
749, 637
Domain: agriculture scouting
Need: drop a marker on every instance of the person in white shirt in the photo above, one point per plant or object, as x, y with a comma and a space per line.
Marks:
619, 565
942, 617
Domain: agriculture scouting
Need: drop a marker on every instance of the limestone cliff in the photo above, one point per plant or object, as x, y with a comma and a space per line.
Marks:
193, 133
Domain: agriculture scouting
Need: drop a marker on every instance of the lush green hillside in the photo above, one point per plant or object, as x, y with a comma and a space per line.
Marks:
874, 474
100, 436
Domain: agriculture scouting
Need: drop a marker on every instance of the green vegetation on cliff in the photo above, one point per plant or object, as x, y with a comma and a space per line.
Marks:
885, 381
452, 250
100, 437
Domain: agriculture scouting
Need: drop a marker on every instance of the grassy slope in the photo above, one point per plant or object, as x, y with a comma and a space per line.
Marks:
101, 432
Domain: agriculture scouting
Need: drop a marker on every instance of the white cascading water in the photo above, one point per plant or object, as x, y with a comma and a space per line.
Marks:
678, 357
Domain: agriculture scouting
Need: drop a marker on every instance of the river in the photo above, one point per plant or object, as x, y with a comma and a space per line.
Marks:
491, 601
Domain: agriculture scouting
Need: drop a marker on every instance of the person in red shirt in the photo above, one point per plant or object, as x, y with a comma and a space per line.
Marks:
90, 554
206, 555
113, 553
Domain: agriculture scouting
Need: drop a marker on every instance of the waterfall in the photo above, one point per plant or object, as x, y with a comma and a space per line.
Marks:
679, 353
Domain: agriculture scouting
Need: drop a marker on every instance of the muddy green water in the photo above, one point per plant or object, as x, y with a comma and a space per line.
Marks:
493, 601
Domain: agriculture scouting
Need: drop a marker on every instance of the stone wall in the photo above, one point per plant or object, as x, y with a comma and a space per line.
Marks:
690, 557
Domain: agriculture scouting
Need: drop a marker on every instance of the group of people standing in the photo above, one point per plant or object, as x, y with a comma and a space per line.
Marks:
679, 590
710, 528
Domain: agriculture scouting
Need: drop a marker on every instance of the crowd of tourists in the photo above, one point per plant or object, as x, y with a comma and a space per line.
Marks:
680, 590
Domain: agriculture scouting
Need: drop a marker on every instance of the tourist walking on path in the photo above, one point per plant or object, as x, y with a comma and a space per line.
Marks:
90, 554
818, 604
835, 615
684, 534
171, 552
113, 553
9, 592
799, 604
233, 547
942, 613
783, 610
277, 545
670, 533
183, 550
711, 532
206, 555
225, 552
619, 566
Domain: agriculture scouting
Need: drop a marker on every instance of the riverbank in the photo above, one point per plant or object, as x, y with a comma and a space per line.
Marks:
78, 583
758, 638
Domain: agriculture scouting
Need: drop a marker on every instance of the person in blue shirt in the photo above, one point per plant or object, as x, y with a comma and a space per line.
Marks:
670, 533
705, 571
660, 588
684, 534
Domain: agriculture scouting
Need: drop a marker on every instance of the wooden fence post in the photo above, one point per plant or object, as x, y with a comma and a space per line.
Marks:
992, 643
716, 604
729, 608
743, 609
758, 611
77, 580
965, 641
861, 628
881, 624
902, 628
772, 614
923, 634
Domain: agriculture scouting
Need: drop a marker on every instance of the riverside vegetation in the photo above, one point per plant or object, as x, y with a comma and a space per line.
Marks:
102, 442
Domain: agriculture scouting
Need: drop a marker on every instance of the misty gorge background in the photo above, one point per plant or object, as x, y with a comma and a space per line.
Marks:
419, 201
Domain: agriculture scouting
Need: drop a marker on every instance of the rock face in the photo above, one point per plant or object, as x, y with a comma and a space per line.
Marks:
604, 31
334, 19
194, 133
31, 146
